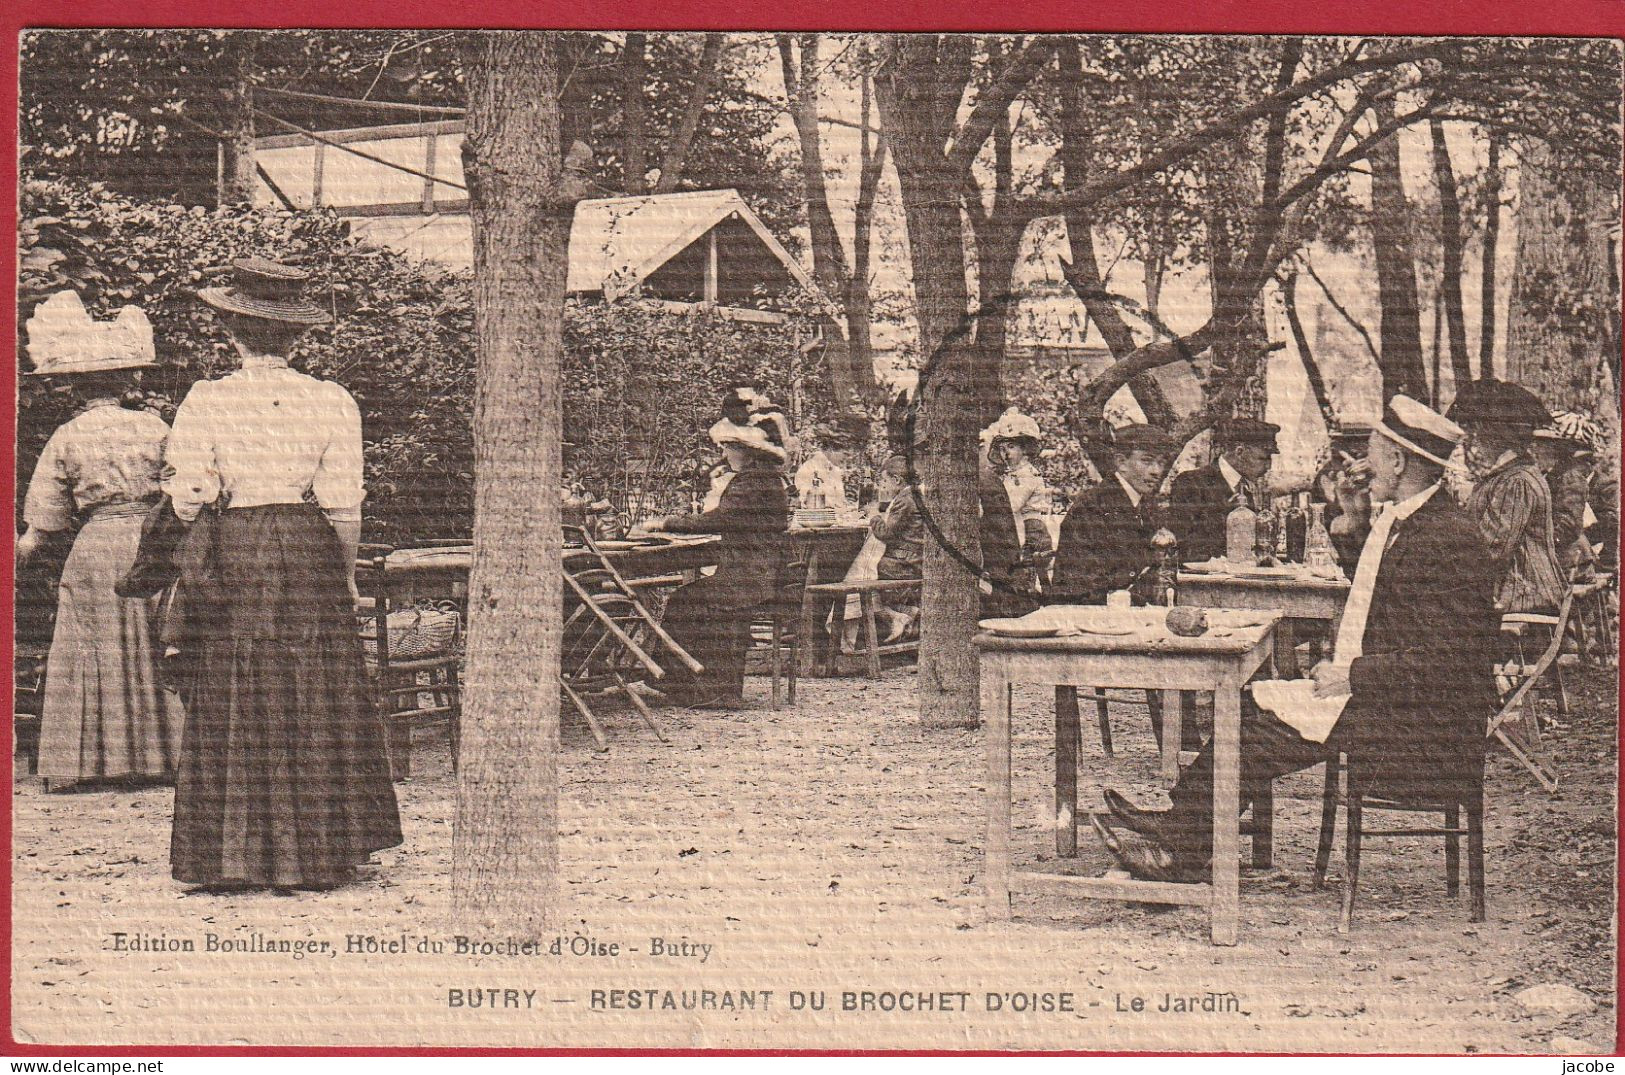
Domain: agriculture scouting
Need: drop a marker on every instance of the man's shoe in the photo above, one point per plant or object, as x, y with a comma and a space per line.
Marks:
1143, 857
1150, 823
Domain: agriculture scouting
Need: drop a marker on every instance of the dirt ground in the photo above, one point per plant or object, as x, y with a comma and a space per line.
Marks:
832, 848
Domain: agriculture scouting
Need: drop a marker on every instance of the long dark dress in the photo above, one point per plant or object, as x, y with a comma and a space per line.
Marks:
284, 775
710, 618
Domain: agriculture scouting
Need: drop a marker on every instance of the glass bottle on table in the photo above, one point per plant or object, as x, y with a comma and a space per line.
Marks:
1240, 531
1319, 556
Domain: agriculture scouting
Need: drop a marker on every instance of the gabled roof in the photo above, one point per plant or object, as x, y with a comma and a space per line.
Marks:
616, 243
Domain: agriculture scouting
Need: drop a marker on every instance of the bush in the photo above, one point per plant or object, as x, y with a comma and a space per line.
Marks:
641, 386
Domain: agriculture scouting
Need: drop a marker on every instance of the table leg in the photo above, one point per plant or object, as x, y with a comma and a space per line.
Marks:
1286, 650
1262, 797
1226, 907
871, 634
996, 740
812, 644
1173, 715
1068, 734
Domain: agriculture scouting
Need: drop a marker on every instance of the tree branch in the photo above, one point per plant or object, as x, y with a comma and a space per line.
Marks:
995, 100
676, 158
1370, 345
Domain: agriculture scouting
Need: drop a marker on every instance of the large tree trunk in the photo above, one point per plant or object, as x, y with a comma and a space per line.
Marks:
1560, 324
505, 844
1401, 326
918, 98
1444, 176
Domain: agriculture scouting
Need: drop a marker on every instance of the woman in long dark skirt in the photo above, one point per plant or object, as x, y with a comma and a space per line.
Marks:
284, 776
711, 618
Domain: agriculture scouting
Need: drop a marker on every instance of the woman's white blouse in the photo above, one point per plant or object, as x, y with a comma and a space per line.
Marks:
266, 435
1029, 494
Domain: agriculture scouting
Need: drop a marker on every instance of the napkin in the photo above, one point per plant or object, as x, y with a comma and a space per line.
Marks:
1294, 702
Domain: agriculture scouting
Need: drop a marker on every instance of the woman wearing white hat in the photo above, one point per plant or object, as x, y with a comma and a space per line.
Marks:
105, 715
1012, 442
284, 777
710, 618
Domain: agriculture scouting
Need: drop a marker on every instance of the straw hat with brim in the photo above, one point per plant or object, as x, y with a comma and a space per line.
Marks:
1499, 406
267, 290
1420, 429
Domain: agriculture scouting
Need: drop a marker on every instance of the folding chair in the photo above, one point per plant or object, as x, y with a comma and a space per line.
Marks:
607, 636
1517, 677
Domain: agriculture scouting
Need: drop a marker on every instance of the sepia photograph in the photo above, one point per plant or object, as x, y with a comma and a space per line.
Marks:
750, 540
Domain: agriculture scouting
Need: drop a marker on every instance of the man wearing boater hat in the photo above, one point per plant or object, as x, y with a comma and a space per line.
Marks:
1200, 499
1412, 668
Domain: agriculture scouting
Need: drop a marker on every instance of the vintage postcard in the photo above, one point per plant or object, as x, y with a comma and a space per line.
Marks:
749, 540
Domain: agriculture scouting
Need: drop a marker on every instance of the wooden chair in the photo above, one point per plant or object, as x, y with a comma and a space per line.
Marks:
776, 626
28, 701
1360, 795
412, 618
866, 589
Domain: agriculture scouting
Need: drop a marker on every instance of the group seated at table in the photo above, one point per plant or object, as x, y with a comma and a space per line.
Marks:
1410, 684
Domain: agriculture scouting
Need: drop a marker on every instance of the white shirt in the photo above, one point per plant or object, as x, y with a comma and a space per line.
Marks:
1357, 610
1133, 493
265, 435
1294, 701
1232, 476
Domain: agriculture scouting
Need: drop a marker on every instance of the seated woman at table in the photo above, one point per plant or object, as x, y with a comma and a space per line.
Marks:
711, 618
893, 550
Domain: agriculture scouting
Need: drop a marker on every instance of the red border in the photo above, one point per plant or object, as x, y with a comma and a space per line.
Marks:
1591, 18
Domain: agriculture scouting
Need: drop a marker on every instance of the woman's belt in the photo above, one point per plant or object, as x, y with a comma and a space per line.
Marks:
128, 509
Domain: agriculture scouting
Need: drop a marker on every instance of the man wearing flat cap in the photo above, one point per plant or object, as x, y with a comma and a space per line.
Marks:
1106, 536
1410, 685
1200, 499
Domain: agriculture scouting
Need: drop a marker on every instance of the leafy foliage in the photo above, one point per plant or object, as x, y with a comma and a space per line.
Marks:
641, 383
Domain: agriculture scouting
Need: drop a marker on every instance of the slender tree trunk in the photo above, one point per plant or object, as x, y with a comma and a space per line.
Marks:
634, 114
1300, 339
505, 844
240, 176
676, 158
859, 306
1444, 175
829, 262
1492, 240
1401, 324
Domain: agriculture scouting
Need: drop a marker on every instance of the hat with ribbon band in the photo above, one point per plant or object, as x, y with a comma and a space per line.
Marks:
267, 290
1420, 429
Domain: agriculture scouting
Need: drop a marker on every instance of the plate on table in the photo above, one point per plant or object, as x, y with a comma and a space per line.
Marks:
1208, 567
619, 545
1020, 628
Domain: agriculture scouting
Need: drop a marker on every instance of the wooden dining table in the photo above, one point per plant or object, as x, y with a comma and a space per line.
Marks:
1144, 655
1299, 595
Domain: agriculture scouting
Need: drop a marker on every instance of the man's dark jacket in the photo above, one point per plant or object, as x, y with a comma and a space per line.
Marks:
1105, 545
1198, 504
752, 517
1424, 685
